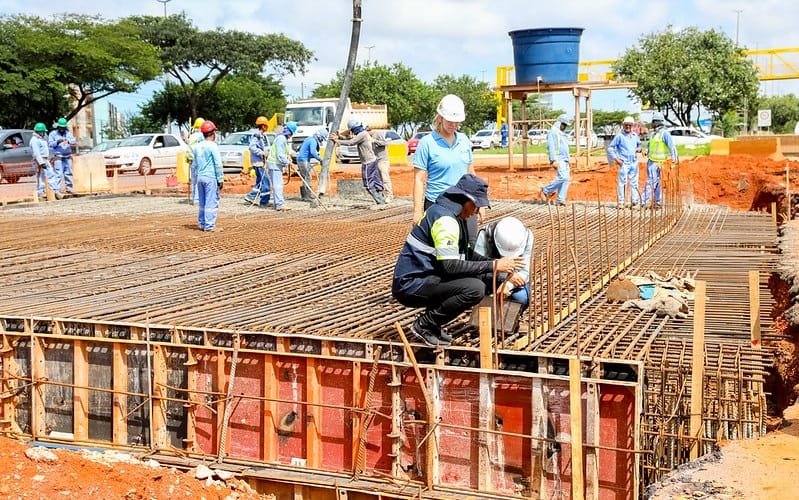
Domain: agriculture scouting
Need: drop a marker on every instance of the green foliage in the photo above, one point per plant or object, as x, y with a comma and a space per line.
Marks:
784, 112
481, 103
142, 124
679, 72
44, 61
200, 60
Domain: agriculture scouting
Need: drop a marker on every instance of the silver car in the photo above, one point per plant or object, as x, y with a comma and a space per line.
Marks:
235, 146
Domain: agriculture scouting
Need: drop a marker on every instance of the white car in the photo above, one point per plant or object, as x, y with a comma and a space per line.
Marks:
486, 139
537, 135
583, 141
235, 146
144, 153
687, 136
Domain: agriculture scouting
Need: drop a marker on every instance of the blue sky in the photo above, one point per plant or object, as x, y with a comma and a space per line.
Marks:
456, 36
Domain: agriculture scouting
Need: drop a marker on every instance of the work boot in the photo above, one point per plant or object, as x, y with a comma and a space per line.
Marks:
426, 335
445, 336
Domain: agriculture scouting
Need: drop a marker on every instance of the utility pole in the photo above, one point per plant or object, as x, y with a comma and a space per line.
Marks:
737, 23
746, 101
164, 2
369, 52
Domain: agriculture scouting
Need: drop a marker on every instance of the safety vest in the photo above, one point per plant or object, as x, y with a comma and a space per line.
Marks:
658, 151
273, 157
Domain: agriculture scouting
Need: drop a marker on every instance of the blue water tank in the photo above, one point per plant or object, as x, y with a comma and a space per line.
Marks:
546, 55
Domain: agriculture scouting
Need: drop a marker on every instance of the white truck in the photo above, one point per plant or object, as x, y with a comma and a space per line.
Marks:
314, 114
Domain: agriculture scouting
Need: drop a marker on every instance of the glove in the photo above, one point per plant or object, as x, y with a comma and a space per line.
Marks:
44, 165
220, 185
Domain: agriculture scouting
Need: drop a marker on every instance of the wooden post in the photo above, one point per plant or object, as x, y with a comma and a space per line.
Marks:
120, 407
220, 387
754, 308
788, 192
269, 422
191, 408
37, 372
510, 135
486, 344
80, 393
774, 212
592, 440
313, 394
576, 420
160, 432
697, 369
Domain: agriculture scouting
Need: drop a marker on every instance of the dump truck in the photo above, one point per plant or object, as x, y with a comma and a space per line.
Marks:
314, 114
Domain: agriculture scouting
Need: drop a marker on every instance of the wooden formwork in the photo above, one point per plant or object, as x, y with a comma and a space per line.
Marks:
321, 417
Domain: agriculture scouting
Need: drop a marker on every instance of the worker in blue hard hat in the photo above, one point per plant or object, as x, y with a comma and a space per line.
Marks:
61, 142
370, 174
279, 160
558, 152
309, 149
661, 151
41, 160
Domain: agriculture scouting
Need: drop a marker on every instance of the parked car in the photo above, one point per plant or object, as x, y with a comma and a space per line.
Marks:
413, 142
349, 154
583, 140
687, 136
235, 146
486, 139
15, 155
144, 153
106, 145
537, 135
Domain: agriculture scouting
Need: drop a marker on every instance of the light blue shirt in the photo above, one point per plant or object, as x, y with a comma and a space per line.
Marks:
39, 150
444, 164
624, 147
257, 148
557, 144
61, 149
207, 160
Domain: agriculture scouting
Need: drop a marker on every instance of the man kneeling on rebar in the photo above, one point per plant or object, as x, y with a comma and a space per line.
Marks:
507, 237
432, 270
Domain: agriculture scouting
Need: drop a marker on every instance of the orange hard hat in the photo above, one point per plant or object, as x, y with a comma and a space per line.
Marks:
207, 126
262, 120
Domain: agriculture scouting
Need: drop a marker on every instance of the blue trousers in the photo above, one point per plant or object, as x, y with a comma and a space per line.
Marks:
373, 181
261, 187
208, 199
561, 182
653, 187
45, 176
275, 175
63, 169
628, 174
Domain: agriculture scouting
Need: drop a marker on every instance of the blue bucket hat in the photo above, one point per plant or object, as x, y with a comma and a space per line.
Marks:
472, 187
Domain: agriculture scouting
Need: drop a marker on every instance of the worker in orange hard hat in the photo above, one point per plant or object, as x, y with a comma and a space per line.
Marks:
259, 151
195, 136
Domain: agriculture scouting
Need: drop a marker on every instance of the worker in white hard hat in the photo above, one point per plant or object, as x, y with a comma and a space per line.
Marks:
659, 151
507, 237
623, 153
441, 159
370, 174
558, 152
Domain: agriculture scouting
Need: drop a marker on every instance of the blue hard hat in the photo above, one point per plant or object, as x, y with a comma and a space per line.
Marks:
291, 126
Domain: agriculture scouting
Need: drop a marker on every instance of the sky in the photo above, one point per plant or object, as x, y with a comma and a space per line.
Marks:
456, 37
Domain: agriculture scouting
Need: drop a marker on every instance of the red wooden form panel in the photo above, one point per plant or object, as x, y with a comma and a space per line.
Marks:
206, 431
459, 448
245, 434
336, 429
291, 416
617, 417
513, 411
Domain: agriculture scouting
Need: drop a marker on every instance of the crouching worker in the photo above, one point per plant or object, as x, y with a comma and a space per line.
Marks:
432, 270
507, 237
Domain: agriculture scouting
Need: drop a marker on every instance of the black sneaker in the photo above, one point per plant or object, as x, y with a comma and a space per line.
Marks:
445, 336
428, 337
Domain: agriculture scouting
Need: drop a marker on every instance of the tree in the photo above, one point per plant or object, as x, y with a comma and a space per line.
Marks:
396, 86
685, 71
200, 60
46, 63
784, 112
233, 105
481, 103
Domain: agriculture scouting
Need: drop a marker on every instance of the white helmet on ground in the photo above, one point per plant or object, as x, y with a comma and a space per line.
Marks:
628, 119
451, 108
510, 236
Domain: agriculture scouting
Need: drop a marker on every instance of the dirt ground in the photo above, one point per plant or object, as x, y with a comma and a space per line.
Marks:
763, 468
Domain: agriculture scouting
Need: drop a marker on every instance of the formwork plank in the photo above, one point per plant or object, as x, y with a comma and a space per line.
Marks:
245, 426
80, 400
58, 396
100, 376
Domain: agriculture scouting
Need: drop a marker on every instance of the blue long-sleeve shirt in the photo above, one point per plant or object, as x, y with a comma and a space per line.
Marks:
557, 144
61, 144
309, 149
257, 148
207, 160
668, 141
39, 150
624, 147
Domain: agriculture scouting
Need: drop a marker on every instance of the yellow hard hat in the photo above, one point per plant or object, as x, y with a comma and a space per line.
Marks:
199, 122
262, 120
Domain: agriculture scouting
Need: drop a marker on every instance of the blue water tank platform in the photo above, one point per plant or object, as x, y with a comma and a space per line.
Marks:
546, 55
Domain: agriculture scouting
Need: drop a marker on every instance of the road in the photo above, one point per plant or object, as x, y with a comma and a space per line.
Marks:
23, 190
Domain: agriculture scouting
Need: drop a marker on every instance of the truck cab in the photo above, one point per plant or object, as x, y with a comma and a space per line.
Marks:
315, 114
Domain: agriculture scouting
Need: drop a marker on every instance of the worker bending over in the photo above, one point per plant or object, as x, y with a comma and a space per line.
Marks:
507, 237
432, 270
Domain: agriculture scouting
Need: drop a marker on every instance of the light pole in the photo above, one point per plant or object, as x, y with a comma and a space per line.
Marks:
737, 23
369, 52
164, 2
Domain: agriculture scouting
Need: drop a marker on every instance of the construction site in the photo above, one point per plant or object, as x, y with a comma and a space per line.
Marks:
273, 351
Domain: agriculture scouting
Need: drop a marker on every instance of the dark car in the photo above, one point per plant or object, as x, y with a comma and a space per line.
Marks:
15, 155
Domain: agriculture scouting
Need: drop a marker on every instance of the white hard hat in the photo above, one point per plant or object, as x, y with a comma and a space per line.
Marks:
657, 117
628, 119
353, 123
451, 108
565, 119
510, 236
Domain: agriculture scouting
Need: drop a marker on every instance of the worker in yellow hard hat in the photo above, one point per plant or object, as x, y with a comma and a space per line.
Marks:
259, 151
194, 137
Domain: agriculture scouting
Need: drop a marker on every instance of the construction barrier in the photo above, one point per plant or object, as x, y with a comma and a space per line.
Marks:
88, 174
757, 145
182, 168
720, 147
397, 154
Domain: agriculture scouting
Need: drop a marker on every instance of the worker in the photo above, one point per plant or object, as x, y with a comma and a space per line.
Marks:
370, 175
259, 150
503, 133
195, 136
432, 270
558, 152
309, 149
61, 142
380, 146
507, 237
623, 153
441, 159
280, 159
660, 151
40, 152
207, 165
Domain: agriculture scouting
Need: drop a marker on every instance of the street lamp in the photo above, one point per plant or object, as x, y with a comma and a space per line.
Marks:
311, 87
164, 2
737, 23
369, 53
